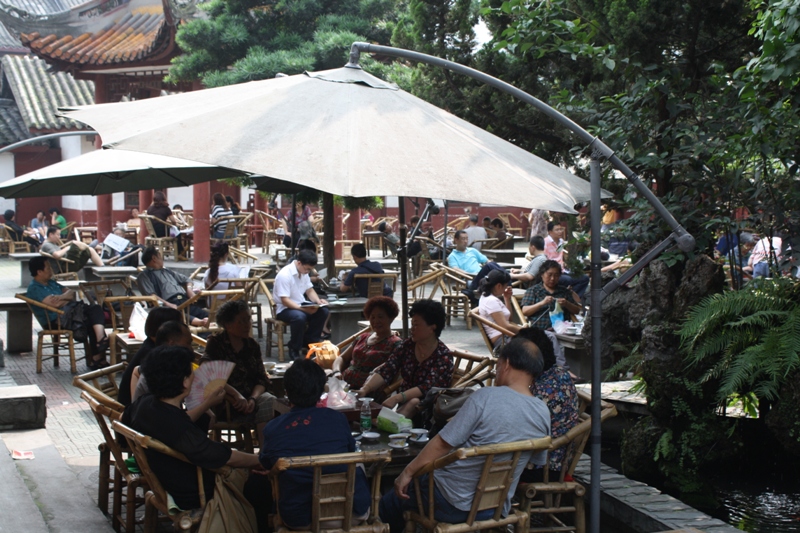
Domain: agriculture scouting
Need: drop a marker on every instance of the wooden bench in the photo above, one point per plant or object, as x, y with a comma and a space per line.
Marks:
19, 325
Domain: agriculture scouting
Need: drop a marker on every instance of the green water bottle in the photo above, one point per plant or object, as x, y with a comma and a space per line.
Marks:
366, 415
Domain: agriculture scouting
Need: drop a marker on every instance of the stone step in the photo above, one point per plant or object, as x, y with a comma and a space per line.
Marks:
22, 407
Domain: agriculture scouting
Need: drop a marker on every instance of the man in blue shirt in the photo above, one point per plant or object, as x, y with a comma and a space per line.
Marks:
43, 288
470, 260
359, 253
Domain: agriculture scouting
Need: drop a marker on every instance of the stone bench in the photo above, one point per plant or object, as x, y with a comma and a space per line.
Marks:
19, 326
22, 407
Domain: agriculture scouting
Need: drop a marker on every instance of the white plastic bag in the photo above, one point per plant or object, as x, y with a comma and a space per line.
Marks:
138, 318
337, 397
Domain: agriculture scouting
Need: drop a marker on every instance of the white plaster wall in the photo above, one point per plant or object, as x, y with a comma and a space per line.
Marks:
74, 147
183, 196
6, 173
391, 201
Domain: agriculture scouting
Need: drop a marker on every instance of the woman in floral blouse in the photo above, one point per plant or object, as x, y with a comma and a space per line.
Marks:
247, 385
556, 388
372, 348
541, 298
422, 361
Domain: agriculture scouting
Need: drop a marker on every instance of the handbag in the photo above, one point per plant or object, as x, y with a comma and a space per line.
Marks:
448, 403
74, 319
326, 353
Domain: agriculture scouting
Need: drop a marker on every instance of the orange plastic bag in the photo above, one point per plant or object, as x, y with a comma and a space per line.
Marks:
326, 353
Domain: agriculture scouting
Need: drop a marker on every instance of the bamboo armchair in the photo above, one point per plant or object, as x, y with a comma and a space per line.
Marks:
347, 254
214, 300
63, 265
251, 287
125, 483
57, 334
332, 494
274, 326
470, 369
101, 385
506, 218
376, 282
156, 497
418, 286
270, 225
544, 499
166, 244
456, 304
121, 317
491, 489
484, 322
10, 246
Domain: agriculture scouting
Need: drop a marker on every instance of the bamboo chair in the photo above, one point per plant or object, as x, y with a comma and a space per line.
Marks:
375, 283
102, 385
274, 326
57, 334
10, 246
67, 231
242, 220
484, 323
125, 484
332, 493
456, 304
491, 488
238, 435
418, 287
270, 225
64, 267
165, 245
214, 300
156, 497
543, 499
347, 251
250, 286
506, 218
121, 320
471, 369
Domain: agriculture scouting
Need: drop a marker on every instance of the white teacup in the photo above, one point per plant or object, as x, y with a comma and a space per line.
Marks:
418, 434
270, 366
398, 439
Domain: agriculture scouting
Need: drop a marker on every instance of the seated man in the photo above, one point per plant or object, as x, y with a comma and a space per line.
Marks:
308, 430
31, 236
171, 288
43, 288
499, 233
58, 220
363, 266
554, 249
106, 252
391, 239
292, 288
160, 415
475, 233
538, 257
507, 412
470, 260
78, 252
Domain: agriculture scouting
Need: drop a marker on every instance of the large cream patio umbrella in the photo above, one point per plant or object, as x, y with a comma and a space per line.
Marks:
340, 131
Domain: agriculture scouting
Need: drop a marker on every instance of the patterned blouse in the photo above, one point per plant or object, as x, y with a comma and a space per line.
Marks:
536, 294
365, 358
555, 387
249, 370
435, 371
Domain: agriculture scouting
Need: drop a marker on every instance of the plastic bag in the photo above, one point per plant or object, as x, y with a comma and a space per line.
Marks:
557, 317
138, 318
326, 353
337, 397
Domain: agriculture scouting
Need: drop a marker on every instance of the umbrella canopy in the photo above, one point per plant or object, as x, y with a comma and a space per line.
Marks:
341, 131
108, 171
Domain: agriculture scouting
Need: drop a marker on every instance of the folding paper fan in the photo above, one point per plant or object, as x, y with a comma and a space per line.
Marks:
208, 378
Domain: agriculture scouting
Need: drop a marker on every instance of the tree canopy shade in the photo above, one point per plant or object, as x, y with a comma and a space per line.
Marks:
246, 40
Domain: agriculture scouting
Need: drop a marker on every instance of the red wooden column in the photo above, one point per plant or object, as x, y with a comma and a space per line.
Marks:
145, 199
201, 193
337, 229
104, 201
353, 228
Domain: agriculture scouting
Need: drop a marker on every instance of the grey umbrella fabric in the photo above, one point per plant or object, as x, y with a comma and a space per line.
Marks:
341, 131
109, 171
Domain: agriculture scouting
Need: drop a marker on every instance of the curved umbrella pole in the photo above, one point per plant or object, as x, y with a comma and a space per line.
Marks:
599, 151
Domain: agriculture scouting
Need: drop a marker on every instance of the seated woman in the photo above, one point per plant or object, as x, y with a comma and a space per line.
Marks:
220, 214
160, 415
541, 298
495, 305
422, 360
308, 430
372, 348
556, 388
219, 268
499, 233
247, 385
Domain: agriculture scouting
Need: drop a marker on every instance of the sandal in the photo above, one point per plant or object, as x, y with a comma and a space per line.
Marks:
102, 346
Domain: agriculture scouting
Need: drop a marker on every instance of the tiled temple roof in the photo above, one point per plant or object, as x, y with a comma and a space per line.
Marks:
39, 92
12, 127
9, 43
139, 34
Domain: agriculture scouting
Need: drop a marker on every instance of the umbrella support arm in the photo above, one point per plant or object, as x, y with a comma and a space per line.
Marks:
47, 137
637, 267
684, 240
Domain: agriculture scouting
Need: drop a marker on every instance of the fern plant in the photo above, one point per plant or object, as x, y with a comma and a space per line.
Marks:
749, 340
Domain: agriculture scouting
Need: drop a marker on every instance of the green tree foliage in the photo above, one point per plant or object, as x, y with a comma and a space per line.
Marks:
246, 40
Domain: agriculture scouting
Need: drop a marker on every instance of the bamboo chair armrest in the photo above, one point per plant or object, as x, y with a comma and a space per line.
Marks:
49, 256
40, 304
191, 300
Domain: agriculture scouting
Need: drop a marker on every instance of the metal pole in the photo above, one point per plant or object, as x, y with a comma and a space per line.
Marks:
294, 220
49, 136
402, 256
444, 237
596, 310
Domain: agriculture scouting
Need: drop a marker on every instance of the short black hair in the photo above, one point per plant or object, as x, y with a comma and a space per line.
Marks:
36, 264
431, 311
304, 382
493, 278
521, 354
382, 226
497, 223
169, 332
537, 241
228, 312
149, 253
543, 342
359, 250
53, 229
158, 316
458, 234
547, 265
306, 244
8, 215
473, 219
165, 369
307, 257
54, 210
552, 224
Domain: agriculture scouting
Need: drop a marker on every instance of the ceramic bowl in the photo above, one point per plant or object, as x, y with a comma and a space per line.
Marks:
370, 435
